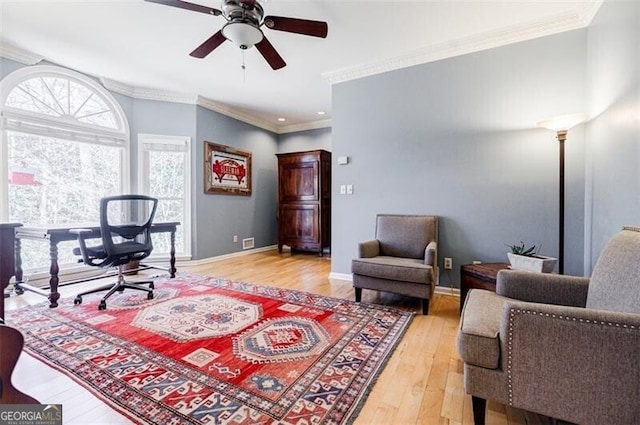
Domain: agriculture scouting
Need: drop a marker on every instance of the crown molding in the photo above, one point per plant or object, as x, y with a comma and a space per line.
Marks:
236, 113
589, 11
313, 125
19, 55
146, 93
167, 96
511, 34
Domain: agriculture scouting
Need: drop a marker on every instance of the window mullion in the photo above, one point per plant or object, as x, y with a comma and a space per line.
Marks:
39, 100
81, 106
53, 96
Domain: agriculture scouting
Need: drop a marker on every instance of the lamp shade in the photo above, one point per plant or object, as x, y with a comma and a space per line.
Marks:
563, 122
242, 34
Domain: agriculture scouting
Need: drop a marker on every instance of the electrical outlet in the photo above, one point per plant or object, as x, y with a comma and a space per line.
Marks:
235, 238
448, 263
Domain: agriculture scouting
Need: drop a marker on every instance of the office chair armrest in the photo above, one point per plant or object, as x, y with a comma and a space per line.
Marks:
82, 233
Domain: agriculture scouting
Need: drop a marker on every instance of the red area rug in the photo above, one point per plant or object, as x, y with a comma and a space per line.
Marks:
208, 350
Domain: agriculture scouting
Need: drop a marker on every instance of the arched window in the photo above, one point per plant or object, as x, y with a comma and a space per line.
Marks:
65, 143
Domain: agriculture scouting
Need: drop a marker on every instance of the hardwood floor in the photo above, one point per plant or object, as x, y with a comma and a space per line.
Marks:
421, 384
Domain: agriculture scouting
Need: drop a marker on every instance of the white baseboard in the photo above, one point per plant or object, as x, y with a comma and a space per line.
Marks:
209, 260
446, 290
341, 276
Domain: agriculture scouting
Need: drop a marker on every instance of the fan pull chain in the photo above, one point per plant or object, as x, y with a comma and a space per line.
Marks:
244, 69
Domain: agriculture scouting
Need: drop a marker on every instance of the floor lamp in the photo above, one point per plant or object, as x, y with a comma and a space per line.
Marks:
561, 125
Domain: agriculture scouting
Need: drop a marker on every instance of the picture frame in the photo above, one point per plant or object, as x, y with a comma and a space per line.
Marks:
227, 170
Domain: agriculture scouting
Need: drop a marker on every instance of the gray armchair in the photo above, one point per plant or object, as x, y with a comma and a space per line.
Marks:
401, 259
563, 346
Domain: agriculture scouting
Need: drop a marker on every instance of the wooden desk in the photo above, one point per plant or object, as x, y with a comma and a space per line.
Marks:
11, 340
62, 232
478, 276
7, 257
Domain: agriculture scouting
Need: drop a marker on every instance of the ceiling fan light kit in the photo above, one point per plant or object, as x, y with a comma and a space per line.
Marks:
243, 35
244, 19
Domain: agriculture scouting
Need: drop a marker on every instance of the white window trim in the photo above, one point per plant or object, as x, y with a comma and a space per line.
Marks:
12, 119
183, 144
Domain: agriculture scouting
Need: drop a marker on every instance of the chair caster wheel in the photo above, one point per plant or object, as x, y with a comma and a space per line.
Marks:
152, 286
121, 289
102, 305
149, 295
77, 300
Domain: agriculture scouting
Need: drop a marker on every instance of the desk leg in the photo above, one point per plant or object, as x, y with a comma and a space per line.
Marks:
172, 260
16, 286
54, 295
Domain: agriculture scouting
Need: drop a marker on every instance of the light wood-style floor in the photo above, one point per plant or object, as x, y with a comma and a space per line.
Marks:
421, 384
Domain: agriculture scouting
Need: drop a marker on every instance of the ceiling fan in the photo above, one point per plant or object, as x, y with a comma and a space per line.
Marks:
244, 20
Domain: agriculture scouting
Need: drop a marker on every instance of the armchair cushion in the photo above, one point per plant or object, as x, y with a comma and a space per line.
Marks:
405, 235
479, 336
393, 268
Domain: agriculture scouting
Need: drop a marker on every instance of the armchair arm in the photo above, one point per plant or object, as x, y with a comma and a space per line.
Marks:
544, 288
572, 363
369, 249
431, 254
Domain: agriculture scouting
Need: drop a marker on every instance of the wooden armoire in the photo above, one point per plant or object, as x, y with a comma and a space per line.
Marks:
304, 200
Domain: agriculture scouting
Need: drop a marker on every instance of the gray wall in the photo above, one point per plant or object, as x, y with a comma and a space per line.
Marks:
156, 117
305, 140
7, 66
457, 138
613, 155
218, 217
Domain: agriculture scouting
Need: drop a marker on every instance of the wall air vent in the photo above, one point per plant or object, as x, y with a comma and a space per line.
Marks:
248, 243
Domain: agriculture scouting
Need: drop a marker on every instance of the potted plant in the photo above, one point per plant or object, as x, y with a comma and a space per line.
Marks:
523, 258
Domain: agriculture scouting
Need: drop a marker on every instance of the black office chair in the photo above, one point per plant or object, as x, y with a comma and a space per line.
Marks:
125, 226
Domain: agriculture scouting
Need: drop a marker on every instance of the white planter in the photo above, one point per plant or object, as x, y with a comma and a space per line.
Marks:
539, 263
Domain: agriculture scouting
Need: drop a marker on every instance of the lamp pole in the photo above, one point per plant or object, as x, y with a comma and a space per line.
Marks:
562, 137
561, 125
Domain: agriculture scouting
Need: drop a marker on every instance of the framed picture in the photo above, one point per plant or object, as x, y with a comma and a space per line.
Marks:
226, 170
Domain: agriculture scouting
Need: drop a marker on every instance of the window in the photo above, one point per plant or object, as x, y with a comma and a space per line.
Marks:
164, 172
64, 146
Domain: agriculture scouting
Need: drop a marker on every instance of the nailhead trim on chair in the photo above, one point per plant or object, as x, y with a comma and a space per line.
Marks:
633, 228
513, 313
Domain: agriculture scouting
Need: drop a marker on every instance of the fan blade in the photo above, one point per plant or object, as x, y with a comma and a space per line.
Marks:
209, 45
189, 6
299, 26
272, 57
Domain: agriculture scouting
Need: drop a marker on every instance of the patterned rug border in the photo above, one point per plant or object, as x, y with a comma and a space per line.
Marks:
374, 378
270, 292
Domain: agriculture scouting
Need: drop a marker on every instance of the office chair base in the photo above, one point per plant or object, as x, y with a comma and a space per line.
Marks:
118, 287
